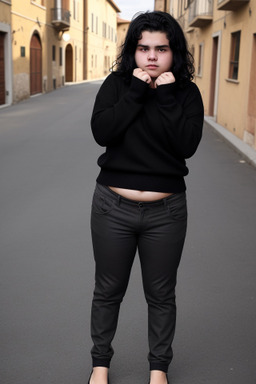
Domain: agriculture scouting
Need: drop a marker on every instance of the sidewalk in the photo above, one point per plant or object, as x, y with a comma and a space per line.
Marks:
248, 153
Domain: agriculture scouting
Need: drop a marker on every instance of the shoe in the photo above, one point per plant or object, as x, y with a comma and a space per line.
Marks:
90, 377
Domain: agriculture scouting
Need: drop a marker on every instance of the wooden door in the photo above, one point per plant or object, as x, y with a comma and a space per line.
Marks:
69, 63
35, 65
2, 72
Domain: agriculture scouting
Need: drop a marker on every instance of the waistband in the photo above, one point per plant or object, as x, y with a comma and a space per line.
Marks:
104, 189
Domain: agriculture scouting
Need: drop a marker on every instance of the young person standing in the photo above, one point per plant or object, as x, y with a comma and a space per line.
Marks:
149, 116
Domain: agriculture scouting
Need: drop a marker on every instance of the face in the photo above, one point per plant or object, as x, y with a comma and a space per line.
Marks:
153, 53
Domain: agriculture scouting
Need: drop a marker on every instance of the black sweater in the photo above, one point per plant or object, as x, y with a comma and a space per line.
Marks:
148, 133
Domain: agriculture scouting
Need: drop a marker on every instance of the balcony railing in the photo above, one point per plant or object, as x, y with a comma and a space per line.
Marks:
200, 13
231, 5
61, 19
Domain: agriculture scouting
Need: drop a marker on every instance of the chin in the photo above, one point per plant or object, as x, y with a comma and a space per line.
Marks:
153, 73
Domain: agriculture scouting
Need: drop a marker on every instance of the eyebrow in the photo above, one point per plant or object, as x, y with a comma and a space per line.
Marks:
157, 46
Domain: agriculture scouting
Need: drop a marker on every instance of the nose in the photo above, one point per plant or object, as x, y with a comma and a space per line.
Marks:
152, 55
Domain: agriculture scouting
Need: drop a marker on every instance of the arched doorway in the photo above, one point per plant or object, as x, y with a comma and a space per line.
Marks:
2, 69
35, 65
69, 63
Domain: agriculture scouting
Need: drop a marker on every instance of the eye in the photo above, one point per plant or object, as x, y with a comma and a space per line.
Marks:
162, 49
142, 49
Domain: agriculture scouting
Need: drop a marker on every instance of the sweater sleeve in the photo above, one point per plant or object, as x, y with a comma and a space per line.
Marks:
182, 124
113, 113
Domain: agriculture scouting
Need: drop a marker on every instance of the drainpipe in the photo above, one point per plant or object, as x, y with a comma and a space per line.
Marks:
58, 9
85, 38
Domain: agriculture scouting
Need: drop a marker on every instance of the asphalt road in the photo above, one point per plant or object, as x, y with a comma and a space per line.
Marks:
47, 173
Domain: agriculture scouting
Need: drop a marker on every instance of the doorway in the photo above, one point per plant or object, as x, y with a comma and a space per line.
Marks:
2, 69
251, 126
214, 79
69, 63
35, 65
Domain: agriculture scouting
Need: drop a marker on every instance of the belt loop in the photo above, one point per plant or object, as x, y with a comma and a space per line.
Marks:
165, 201
118, 199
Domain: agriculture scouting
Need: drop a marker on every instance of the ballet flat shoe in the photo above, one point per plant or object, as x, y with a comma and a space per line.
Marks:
90, 377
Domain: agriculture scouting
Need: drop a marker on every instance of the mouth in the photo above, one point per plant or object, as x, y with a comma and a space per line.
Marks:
152, 66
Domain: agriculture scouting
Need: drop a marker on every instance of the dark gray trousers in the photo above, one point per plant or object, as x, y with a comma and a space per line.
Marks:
119, 227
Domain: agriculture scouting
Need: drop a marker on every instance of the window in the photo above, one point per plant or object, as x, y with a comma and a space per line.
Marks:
22, 52
53, 53
97, 19
74, 9
104, 29
192, 50
92, 26
180, 8
200, 60
105, 64
60, 56
234, 55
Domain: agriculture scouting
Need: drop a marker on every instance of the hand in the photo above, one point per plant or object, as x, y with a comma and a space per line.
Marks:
165, 78
142, 75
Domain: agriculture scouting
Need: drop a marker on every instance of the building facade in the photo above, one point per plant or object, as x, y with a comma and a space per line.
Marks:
47, 43
101, 37
162, 5
5, 53
122, 28
222, 38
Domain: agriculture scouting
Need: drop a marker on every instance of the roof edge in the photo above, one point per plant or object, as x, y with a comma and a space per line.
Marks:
111, 2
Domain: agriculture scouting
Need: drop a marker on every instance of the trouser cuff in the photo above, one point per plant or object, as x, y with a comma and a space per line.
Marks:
100, 363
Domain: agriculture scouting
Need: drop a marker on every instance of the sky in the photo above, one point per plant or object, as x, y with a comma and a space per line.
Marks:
130, 7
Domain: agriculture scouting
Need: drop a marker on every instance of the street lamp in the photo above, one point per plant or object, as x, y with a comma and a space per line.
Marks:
66, 37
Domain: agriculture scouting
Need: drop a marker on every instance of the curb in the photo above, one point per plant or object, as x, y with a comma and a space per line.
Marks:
67, 84
247, 152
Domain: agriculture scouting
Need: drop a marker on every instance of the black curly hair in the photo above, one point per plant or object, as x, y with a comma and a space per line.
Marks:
183, 63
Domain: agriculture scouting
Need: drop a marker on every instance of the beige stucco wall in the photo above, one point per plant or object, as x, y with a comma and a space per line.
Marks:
76, 39
6, 28
101, 50
5, 12
232, 97
122, 28
29, 17
162, 5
